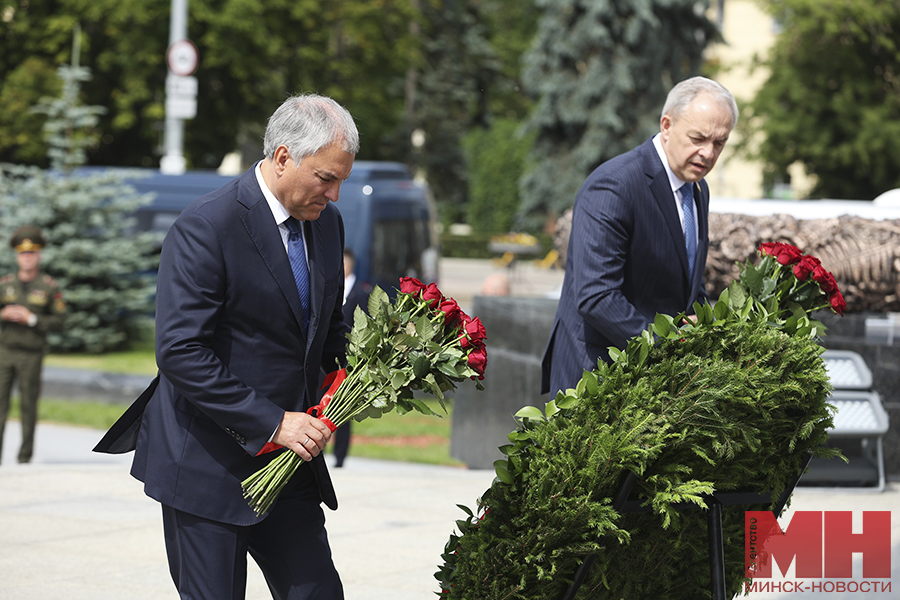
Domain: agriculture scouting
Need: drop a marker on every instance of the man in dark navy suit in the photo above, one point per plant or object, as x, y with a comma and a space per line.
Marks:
239, 354
639, 235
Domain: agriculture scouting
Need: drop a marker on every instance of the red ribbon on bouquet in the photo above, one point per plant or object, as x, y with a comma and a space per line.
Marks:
332, 381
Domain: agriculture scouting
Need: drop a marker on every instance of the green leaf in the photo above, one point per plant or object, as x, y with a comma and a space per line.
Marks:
399, 379
448, 370
550, 409
591, 385
503, 474
420, 364
378, 301
424, 328
753, 279
530, 412
720, 310
661, 325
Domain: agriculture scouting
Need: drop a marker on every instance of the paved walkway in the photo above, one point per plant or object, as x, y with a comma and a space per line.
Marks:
75, 526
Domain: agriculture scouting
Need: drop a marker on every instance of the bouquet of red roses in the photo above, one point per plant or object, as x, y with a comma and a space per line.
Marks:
788, 286
420, 341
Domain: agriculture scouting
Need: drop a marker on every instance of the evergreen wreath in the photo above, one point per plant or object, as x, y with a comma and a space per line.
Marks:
735, 401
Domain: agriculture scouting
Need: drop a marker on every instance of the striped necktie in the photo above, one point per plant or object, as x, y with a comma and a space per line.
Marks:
690, 228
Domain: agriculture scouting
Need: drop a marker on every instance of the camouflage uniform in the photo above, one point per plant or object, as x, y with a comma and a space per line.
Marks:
22, 345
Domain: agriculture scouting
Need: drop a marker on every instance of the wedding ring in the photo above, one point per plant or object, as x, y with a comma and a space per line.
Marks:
307, 439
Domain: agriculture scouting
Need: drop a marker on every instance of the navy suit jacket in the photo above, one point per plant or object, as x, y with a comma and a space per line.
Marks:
626, 262
232, 354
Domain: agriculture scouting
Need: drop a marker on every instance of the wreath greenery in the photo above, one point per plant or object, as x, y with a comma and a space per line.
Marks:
736, 400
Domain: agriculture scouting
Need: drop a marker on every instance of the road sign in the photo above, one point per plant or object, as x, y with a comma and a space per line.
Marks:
182, 57
177, 85
181, 107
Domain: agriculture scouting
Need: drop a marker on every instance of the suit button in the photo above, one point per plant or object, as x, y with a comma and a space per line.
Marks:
240, 439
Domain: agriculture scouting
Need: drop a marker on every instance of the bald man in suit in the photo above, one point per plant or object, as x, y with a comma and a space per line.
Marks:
636, 249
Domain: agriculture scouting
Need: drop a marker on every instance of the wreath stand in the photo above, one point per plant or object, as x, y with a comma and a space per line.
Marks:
715, 502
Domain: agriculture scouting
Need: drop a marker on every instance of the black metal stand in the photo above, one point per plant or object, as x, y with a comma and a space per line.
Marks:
714, 503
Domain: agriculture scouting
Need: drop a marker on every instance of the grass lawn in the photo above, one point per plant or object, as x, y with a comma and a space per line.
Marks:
412, 437
140, 361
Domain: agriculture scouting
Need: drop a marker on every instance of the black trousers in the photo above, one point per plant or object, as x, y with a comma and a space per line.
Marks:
208, 559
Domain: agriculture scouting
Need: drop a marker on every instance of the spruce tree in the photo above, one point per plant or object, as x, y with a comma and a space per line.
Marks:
600, 72
105, 269
451, 97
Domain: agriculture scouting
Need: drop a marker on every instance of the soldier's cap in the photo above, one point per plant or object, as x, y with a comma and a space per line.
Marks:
27, 239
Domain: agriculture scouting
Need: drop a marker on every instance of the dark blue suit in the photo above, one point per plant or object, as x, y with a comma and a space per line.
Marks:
626, 262
233, 356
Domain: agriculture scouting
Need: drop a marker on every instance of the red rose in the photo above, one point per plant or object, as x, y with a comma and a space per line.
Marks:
432, 295
825, 280
806, 266
452, 311
769, 248
788, 255
464, 339
478, 360
475, 330
838, 304
411, 285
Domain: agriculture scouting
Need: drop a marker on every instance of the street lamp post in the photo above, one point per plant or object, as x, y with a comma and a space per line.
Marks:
181, 88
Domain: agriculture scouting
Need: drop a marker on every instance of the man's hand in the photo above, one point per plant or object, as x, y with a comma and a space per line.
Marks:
15, 313
307, 436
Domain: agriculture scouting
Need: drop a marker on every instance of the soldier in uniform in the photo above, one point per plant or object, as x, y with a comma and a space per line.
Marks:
31, 305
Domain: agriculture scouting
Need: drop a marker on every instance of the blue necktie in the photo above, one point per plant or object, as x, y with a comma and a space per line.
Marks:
297, 256
690, 228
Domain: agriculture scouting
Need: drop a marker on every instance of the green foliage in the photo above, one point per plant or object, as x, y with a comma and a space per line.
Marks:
600, 72
731, 402
495, 160
832, 97
252, 55
105, 271
69, 128
24, 86
451, 97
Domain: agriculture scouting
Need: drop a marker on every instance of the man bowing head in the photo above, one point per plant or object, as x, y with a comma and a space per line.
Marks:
248, 314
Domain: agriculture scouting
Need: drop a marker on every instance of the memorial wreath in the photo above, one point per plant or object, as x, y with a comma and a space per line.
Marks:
733, 401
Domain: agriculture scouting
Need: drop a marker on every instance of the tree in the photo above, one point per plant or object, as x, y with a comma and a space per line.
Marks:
252, 56
600, 72
104, 269
832, 98
450, 97
495, 159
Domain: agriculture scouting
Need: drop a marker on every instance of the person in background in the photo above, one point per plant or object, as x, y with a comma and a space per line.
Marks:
639, 235
356, 293
31, 306
495, 285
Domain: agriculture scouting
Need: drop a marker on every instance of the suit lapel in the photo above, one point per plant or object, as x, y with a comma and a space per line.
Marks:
312, 230
665, 201
261, 228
